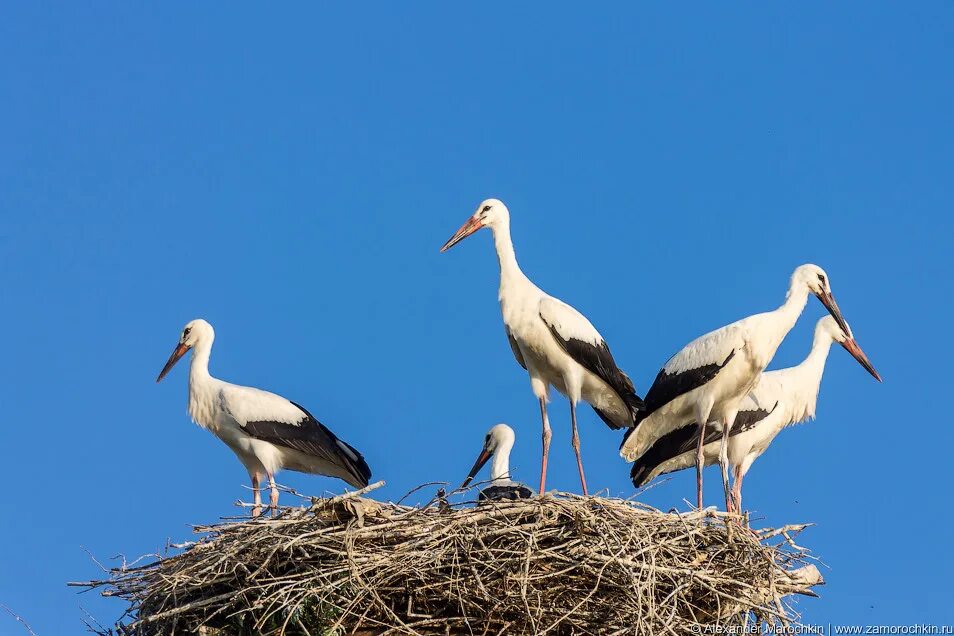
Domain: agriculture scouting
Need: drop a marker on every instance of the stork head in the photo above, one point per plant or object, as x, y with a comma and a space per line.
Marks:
490, 213
195, 332
816, 280
499, 439
828, 327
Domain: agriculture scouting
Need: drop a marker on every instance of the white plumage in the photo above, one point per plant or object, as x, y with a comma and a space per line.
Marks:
554, 342
707, 380
781, 398
498, 443
266, 431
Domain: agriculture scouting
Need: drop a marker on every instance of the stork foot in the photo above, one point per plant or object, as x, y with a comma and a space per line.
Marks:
257, 494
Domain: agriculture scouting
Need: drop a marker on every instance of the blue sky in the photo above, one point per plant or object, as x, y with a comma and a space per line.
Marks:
289, 174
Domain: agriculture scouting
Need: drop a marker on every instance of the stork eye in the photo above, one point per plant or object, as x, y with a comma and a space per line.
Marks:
486, 208
821, 278
186, 331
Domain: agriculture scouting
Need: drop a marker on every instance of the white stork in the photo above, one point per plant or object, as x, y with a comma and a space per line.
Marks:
707, 380
266, 431
497, 444
554, 342
780, 399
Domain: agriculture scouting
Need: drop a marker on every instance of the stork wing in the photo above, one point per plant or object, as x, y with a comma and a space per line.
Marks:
682, 441
515, 348
695, 365
272, 418
311, 437
582, 342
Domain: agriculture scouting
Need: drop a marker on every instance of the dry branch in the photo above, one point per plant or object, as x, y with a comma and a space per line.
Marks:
556, 565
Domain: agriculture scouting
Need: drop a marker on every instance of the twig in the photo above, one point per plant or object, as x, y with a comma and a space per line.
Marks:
555, 564
421, 487
19, 619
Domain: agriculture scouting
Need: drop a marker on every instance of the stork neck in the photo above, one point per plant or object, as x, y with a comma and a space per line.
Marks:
506, 257
814, 364
775, 325
794, 304
199, 369
807, 379
500, 468
202, 404
500, 465
787, 315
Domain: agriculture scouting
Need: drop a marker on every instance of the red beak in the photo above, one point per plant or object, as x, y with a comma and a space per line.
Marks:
829, 302
468, 228
177, 353
852, 347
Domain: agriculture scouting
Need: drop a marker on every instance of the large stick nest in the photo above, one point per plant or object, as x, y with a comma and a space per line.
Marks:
560, 564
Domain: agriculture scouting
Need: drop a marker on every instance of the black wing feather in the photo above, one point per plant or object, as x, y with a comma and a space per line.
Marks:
683, 439
597, 359
668, 386
311, 437
504, 493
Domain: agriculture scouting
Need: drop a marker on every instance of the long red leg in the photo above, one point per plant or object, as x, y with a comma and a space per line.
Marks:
737, 490
273, 496
546, 444
724, 464
256, 482
700, 463
576, 446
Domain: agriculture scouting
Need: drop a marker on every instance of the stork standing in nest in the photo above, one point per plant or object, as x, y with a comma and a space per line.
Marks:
266, 431
780, 399
554, 342
708, 379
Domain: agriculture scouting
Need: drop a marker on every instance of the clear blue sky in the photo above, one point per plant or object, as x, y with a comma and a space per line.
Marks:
289, 174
